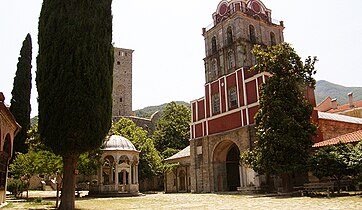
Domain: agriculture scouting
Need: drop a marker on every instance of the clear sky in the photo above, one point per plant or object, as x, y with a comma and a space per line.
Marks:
169, 48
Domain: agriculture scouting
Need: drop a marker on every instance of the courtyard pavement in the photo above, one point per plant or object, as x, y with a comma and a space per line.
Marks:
213, 201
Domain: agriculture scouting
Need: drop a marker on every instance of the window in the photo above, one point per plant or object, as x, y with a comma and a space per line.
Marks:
214, 69
120, 99
229, 36
272, 39
252, 34
233, 100
213, 45
231, 60
118, 63
215, 104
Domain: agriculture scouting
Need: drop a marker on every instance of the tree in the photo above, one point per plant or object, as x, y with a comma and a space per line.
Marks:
334, 162
283, 121
74, 81
150, 160
173, 129
20, 101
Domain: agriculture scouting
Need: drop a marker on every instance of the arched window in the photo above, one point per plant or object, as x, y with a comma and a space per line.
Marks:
252, 34
272, 39
229, 36
231, 60
213, 45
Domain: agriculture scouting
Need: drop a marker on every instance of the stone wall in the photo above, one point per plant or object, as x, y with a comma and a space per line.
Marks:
331, 129
208, 155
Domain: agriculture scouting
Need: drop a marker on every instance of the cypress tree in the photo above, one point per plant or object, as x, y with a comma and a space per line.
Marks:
20, 101
74, 80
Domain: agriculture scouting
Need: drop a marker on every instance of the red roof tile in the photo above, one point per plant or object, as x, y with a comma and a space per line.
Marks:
345, 107
346, 138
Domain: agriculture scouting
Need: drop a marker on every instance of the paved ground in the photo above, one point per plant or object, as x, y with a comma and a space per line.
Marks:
213, 201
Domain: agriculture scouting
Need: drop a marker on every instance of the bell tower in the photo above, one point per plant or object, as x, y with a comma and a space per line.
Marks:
237, 26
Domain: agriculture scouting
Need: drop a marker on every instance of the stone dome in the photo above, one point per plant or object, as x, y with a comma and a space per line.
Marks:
116, 142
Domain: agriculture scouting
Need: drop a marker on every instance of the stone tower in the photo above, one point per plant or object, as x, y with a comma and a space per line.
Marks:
122, 83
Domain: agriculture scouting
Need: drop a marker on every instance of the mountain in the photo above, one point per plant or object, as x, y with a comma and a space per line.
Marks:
325, 89
148, 111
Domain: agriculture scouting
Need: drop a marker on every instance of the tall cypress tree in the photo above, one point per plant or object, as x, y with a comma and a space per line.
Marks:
74, 80
20, 101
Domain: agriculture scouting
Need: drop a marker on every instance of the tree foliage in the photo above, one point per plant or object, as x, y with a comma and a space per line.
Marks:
74, 80
283, 122
173, 129
332, 161
20, 101
150, 160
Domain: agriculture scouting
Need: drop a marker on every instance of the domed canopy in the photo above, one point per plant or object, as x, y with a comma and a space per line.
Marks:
116, 142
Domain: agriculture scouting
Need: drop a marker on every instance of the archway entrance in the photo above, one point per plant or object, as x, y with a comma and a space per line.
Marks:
226, 170
232, 168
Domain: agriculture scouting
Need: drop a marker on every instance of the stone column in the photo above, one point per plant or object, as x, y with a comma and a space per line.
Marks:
116, 179
137, 174
241, 176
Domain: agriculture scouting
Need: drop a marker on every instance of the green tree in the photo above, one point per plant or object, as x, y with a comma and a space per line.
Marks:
335, 162
20, 101
150, 160
74, 81
283, 122
173, 129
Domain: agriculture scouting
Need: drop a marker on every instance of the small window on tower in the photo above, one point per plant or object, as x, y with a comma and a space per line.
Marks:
272, 39
118, 63
120, 100
119, 53
233, 100
215, 104
252, 34
213, 45
229, 36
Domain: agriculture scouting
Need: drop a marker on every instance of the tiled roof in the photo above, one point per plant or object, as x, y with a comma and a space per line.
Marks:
346, 138
346, 107
183, 153
340, 118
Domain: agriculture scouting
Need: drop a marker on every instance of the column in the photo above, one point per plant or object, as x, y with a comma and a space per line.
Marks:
116, 179
137, 174
241, 176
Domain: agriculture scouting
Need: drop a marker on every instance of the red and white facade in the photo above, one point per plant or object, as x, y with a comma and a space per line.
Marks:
205, 121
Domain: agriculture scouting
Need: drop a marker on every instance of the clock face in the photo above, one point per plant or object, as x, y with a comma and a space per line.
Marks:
223, 9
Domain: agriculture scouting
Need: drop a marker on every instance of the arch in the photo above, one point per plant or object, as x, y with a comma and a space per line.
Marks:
124, 159
213, 44
108, 160
182, 180
226, 173
252, 34
272, 39
229, 35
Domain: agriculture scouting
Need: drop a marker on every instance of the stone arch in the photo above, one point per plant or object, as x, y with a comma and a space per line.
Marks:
182, 180
108, 170
226, 155
252, 34
272, 39
213, 45
124, 159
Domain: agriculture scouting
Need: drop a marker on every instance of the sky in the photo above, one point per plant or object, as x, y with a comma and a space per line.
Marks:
169, 48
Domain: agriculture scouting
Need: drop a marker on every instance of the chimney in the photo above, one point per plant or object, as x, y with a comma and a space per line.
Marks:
350, 99
334, 103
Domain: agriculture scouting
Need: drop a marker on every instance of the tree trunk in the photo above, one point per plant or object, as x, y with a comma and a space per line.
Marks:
68, 188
